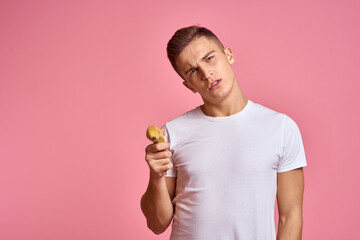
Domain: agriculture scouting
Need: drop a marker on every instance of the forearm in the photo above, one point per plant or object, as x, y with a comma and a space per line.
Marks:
290, 228
157, 206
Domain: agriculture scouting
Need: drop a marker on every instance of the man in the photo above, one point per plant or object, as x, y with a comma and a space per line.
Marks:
230, 157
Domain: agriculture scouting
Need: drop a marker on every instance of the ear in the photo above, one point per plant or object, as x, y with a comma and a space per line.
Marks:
229, 55
186, 84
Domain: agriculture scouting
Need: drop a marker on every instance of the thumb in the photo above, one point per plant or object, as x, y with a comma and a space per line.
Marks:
163, 131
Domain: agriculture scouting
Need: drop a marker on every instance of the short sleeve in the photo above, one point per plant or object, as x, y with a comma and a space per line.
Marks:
173, 171
293, 153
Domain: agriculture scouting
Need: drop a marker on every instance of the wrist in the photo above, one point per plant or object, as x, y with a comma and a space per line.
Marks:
155, 177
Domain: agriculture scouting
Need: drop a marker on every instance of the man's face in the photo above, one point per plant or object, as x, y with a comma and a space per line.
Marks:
206, 69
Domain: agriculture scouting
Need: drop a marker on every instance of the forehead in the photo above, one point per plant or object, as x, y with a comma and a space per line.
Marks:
196, 49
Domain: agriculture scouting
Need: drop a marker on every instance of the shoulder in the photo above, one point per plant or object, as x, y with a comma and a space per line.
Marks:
272, 119
181, 124
184, 118
266, 115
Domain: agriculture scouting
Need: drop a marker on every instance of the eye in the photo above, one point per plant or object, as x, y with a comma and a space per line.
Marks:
209, 58
192, 71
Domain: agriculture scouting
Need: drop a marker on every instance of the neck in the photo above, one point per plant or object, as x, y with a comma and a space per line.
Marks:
232, 104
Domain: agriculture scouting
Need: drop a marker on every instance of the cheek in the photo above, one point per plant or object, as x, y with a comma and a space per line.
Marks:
225, 67
193, 83
221, 61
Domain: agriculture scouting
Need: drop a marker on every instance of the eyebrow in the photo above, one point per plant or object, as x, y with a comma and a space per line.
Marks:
202, 59
207, 55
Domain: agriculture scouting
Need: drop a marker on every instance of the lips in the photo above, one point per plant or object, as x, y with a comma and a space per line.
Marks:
214, 84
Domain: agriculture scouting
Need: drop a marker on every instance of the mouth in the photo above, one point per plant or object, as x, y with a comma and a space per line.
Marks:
215, 84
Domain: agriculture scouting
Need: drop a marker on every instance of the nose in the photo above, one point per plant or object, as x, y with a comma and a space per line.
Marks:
206, 72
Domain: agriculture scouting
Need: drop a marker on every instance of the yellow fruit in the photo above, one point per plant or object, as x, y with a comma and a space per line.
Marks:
155, 134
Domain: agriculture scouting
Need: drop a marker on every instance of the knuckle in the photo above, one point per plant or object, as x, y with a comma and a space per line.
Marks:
165, 154
168, 154
170, 166
148, 148
148, 157
156, 147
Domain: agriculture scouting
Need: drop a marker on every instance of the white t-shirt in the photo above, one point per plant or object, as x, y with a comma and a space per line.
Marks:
226, 169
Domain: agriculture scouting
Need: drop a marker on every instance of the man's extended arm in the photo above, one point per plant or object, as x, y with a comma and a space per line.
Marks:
290, 199
156, 203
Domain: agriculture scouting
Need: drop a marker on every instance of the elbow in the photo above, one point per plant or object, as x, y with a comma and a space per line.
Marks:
295, 221
295, 217
156, 228
157, 231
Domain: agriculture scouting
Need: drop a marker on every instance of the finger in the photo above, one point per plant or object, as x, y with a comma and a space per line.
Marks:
164, 154
159, 147
154, 163
152, 148
149, 147
163, 168
155, 156
169, 166
163, 131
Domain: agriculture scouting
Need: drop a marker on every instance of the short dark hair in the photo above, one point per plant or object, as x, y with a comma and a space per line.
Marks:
183, 37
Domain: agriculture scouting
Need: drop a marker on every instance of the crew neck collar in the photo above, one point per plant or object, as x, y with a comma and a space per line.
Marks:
218, 119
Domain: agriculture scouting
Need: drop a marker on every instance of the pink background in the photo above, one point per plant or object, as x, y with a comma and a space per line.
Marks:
81, 80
